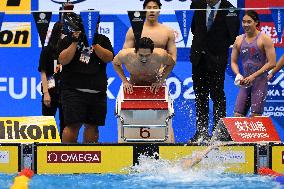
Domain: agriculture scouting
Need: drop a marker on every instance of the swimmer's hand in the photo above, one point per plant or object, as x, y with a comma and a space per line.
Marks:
127, 87
188, 163
247, 81
155, 87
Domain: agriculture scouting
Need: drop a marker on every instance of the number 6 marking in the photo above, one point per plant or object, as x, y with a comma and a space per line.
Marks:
145, 133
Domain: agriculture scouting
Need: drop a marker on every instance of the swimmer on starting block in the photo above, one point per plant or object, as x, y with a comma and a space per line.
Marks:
143, 64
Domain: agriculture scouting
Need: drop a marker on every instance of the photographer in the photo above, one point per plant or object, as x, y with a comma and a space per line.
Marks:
84, 80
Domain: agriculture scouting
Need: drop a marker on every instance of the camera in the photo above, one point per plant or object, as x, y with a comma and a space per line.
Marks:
72, 22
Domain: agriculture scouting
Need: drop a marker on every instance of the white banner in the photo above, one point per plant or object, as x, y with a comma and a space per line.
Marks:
115, 6
111, 6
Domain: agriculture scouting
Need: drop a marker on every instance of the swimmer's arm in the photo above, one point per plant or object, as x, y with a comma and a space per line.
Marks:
197, 159
170, 63
270, 54
117, 65
189, 163
234, 57
278, 66
129, 39
171, 46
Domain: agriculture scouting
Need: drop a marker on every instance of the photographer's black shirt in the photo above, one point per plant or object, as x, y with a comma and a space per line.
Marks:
85, 72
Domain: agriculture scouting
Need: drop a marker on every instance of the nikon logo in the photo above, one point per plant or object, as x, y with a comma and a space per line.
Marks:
13, 130
20, 37
15, 34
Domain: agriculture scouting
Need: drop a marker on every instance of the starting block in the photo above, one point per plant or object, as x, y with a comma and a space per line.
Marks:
143, 116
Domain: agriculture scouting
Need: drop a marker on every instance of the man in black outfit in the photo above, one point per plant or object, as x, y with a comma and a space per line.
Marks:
214, 31
84, 82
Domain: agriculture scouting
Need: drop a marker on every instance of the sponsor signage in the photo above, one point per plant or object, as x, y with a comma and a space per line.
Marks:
269, 29
9, 158
266, 19
240, 159
277, 157
28, 129
15, 6
4, 156
73, 156
225, 156
61, 159
15, 34
253, 129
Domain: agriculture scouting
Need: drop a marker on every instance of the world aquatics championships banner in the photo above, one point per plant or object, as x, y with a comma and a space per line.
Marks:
20, 49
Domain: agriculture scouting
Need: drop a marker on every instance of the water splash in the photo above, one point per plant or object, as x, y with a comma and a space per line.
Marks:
209, 173
161, 170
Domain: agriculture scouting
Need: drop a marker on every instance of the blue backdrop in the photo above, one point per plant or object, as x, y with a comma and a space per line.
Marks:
20, 80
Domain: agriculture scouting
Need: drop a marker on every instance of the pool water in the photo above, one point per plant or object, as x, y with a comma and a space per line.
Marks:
151, 174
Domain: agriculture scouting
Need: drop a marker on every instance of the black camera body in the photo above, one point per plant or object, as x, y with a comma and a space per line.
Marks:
72, 22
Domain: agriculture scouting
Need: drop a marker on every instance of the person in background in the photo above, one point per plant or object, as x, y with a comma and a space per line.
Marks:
258, 56
162, 35
84, 80
49, 69
213, 30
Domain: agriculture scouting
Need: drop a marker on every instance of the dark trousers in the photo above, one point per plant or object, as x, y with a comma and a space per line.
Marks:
208, 79
51, 111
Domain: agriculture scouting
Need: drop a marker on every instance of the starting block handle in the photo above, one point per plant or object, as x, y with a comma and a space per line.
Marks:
144, 126
161, 96
145, 140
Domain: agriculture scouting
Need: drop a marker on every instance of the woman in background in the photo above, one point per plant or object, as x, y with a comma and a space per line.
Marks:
258, 56
50, 76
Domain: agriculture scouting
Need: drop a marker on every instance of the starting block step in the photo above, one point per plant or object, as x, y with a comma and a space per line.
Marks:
144, 116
